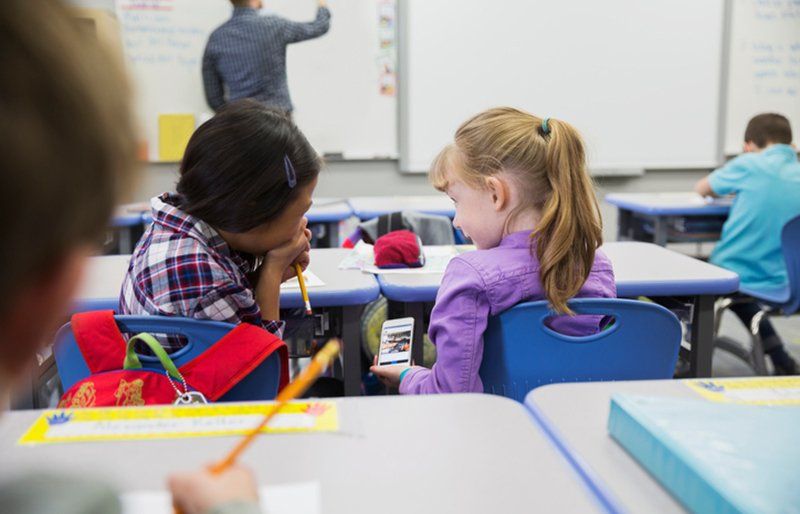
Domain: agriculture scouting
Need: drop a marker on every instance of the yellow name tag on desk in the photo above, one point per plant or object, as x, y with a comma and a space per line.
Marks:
749, 391
168, 422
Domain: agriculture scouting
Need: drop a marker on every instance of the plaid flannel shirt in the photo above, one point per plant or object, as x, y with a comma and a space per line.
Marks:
182, 267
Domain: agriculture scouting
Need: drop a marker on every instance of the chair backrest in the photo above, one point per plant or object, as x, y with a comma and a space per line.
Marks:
521, 352
790, 243
261, 384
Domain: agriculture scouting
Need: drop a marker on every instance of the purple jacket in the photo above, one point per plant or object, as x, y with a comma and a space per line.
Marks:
485, 283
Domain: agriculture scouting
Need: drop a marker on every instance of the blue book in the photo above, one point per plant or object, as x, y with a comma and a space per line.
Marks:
714, 457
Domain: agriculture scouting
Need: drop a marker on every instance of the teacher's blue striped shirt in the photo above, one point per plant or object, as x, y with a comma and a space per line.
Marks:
246, 57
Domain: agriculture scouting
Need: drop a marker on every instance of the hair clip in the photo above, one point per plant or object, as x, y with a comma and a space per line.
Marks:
545, 128
291, 176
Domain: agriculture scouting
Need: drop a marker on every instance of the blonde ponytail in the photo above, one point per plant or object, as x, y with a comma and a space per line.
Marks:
548, 159
570, 228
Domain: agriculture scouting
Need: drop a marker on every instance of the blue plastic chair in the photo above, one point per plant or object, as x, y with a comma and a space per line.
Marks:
783, 300
522, 353
261, 384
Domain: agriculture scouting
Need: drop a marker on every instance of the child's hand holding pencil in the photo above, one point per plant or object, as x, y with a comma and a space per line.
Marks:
226, 481
200, 491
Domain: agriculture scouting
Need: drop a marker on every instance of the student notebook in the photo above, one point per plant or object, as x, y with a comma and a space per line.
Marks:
714, 457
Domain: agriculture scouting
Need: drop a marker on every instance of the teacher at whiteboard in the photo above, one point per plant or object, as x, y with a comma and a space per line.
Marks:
246, 55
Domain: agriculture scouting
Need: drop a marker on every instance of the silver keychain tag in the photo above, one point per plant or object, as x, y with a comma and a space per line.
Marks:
186, 397
191, 398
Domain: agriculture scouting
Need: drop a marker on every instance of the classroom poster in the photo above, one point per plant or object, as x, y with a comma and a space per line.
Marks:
174, 131
387, 47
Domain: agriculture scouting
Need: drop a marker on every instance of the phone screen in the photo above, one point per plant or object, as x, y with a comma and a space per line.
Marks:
396, 344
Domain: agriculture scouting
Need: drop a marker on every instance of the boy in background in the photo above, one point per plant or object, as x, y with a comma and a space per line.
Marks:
766, 182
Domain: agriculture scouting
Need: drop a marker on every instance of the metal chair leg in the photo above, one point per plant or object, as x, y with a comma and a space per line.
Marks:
759, 361
734, 348
721, 306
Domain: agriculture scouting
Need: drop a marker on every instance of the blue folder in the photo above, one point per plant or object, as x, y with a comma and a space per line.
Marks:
714, 457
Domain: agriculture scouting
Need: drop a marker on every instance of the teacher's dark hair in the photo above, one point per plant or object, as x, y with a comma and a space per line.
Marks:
233, 175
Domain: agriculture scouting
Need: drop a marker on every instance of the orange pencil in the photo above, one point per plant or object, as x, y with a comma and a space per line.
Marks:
302, 281
297, 387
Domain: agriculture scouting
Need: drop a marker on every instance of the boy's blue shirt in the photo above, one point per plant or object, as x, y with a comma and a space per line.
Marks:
767, 189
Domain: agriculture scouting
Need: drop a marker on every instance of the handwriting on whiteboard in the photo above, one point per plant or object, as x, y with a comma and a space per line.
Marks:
154, 34
775, 62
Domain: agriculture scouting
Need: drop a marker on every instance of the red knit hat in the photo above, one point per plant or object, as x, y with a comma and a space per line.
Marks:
399, 249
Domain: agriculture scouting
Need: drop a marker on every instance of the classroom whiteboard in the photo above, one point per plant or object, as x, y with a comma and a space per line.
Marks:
640, 79
764, 65
341, 84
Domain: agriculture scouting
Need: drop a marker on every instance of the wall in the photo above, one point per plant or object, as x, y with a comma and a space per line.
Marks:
383, 178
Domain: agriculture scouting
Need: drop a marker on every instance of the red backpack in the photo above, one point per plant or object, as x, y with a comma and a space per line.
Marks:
118, 378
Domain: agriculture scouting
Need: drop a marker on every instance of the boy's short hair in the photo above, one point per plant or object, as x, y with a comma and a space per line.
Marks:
234, 172
66, 139
240, 3
768, 128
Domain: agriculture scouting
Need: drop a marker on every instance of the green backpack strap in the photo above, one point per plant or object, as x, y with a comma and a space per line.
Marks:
132, 360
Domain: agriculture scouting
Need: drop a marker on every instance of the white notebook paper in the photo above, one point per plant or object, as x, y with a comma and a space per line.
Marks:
298, 498
312, 280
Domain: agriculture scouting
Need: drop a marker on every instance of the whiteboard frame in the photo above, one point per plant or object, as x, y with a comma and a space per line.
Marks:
724, 78
402, 87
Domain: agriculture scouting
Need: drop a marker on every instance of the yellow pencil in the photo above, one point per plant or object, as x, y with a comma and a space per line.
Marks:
302, 281
297, 387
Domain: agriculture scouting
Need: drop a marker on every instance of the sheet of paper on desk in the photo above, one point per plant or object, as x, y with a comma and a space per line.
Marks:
361, 255
722, 200
299, 498
436, 259
312, 280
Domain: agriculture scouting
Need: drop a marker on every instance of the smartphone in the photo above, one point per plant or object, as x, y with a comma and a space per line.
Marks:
396, 339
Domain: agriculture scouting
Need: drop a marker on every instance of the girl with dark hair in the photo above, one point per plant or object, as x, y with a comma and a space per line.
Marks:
220, 247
